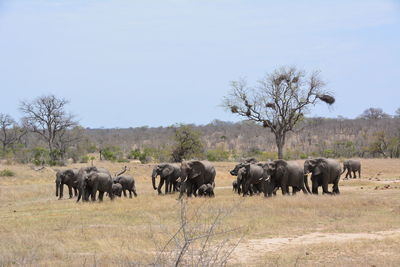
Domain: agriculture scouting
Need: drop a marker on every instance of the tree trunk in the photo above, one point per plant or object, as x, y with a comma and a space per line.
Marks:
280, 143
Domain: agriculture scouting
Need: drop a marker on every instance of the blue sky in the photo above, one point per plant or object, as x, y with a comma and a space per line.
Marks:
156, 63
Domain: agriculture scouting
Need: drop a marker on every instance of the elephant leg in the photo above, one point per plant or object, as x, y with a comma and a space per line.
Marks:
160, 186
94, 191
75, 191
61, 191
130, 193
70, 191
284, 189
101, 194
134, 192
166, 186
354, 175
315, 187
335, 188
325, 187
124, 191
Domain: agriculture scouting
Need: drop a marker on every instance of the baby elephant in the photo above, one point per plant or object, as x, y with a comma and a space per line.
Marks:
235, 186
206, 190
128, 183
117, 189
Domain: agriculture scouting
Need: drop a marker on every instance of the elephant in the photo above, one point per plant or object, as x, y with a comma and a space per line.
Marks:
169, 172
98, 181
128, 183
250, 174
324, 171
281, 173
235, 186
82, 174
194, 174
206, 190
352, 166
67, 177
117, 189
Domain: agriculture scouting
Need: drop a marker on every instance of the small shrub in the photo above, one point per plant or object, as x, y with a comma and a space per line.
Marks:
7, 173
84, 159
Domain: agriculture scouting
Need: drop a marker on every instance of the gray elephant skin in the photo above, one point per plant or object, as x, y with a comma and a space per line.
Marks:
194, 174
250, 175
128, 183
206, 190
352, 166
117, 189
169, 173
281, 173
82, 174
98, 181
323, 172
66, 177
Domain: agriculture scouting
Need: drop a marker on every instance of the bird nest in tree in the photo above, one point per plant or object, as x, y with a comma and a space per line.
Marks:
327, 99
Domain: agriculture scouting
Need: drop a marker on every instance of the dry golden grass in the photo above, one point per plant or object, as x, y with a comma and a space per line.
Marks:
37, 229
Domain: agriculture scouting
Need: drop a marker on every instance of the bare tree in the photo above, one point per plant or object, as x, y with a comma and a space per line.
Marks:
279, 102
374, 114
397, 113
46, 116
10, 131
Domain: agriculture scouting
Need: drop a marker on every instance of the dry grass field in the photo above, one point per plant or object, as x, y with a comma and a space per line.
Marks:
360, 227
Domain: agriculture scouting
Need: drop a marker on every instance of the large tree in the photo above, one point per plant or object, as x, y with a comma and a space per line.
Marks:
10, 131
46, 116
278, 101
374, 114
188, 143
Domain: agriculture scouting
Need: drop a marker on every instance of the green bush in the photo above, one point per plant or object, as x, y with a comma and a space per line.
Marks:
218, 155
7, 172
84, 159
40, 156
112, 153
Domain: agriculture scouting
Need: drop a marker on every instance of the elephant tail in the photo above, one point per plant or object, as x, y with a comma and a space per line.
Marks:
306, 183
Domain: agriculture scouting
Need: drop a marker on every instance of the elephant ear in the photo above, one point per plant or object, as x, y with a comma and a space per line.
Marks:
241, 172
319, 167
197, 168
168, 170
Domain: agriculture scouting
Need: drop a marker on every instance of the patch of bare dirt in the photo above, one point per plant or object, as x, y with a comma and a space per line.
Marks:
248, 250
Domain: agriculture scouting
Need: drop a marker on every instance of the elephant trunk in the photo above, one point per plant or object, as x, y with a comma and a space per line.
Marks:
57, 186
344, 169
153, 179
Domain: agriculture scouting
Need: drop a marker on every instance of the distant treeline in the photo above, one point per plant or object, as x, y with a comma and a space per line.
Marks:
231, 141
222, 141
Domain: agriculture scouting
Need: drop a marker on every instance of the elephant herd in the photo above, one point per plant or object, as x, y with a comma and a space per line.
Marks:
87, 181
190, 177
198, 178
256, 177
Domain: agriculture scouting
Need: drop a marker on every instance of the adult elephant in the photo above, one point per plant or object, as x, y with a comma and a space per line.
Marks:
82, 174
281, 173
324, 171
194, 174
128, 183
66, 177
169, 173
250, 174
352, 166
98, 181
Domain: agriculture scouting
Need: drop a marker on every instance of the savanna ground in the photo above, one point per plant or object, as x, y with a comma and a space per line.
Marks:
359, 227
